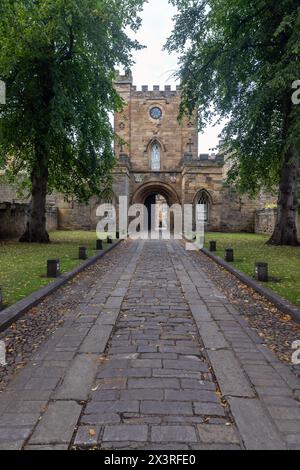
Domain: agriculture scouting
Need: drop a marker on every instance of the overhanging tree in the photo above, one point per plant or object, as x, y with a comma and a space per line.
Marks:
58, 59
239, 59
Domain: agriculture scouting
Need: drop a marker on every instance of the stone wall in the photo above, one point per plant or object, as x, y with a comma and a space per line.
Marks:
75, 215
14, 216
265, 220
237, 212
60, 214
14, 211
9, 193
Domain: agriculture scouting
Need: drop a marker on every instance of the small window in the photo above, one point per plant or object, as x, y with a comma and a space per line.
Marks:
204, 202
155, 157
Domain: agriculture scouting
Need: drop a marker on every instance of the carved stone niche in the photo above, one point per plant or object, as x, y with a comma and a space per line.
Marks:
138, 178
187, 158
123, 158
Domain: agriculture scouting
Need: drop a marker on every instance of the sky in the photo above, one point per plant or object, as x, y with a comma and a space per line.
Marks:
153, 66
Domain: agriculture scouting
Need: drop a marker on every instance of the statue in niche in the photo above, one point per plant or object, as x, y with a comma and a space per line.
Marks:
155, 157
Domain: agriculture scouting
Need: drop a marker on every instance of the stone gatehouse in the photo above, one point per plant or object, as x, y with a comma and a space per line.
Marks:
158, 156
157, 160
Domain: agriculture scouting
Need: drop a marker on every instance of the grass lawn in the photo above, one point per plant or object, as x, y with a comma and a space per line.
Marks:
284, 262
23, 266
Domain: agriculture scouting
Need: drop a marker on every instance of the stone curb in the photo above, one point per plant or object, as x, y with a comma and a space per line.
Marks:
282, 304
13, 313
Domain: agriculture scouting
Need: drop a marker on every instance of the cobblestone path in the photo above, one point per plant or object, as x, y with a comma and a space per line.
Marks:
153, 358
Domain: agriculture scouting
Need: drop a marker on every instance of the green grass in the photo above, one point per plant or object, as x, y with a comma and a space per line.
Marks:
284, 262
23, 266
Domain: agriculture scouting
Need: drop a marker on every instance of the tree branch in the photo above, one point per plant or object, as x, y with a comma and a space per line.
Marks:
70, 51
222, 47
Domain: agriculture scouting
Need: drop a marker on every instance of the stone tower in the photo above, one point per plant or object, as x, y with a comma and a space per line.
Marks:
158, 155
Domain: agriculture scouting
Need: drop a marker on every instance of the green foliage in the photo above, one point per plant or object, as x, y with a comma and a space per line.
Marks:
58, 59
239, 59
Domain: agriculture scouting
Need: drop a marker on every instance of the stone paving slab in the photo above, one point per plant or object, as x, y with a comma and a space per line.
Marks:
231, 378
254, 425
96, 341
57, 424
59, 370
267, 376
12, 438
154, 357
79, 378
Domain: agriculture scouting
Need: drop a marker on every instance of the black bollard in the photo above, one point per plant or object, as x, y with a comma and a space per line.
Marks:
229, 255
99, 245
117, 235
262, 272
1, 298
109, 240
53, 268
83, 253
212, 246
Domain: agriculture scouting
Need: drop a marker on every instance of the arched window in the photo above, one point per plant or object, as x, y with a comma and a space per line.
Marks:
155, 157
203, 203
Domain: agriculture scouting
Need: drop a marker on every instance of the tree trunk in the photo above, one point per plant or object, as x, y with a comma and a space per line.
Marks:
36, 226
285, 232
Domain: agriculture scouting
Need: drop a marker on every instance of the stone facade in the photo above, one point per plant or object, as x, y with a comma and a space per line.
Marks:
157, 155
182, 176
75, 215
14, 210
14, 216
265, 220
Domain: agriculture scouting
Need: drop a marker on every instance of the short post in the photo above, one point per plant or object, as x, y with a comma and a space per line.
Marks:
212, 246
109, 240
117, 235
99, 245
229, 255
262, 272
53, 268
83, 253
1, 299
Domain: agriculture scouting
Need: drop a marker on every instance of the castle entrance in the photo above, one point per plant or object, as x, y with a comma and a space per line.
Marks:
157, 212
157, 197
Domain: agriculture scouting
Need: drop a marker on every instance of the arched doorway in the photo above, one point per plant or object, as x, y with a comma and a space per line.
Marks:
157, 212
160, 195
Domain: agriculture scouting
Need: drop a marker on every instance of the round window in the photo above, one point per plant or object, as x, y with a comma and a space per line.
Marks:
155, 112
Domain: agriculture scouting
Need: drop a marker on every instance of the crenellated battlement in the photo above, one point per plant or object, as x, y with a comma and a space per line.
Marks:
155, 89
126, 81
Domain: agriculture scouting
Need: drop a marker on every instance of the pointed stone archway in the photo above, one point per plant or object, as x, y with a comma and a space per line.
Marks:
155, 187
146, 194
